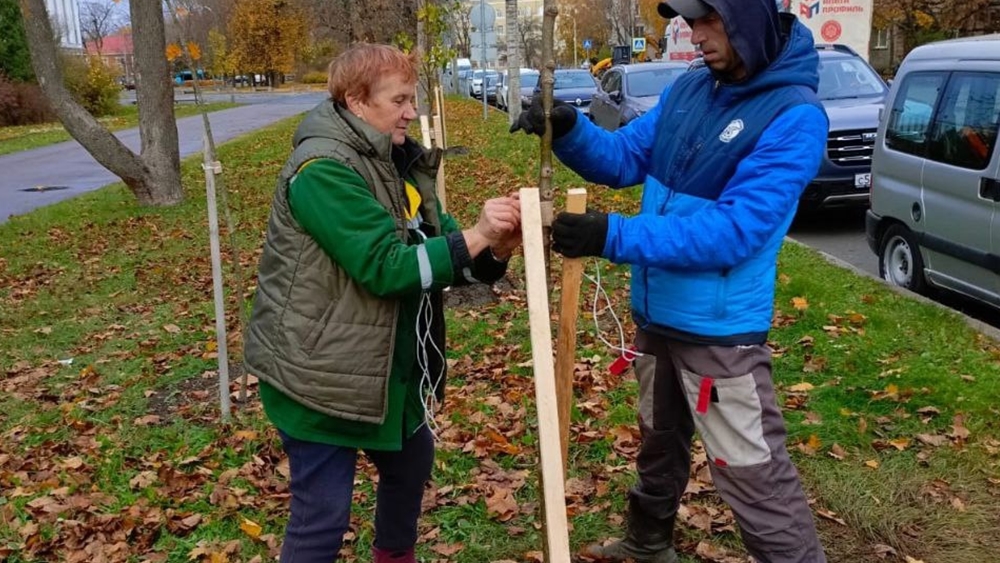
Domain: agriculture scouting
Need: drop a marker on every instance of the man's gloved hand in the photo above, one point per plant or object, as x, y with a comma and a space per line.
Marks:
580, 234
532, 120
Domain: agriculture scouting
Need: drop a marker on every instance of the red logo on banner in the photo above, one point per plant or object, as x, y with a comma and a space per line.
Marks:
831, 31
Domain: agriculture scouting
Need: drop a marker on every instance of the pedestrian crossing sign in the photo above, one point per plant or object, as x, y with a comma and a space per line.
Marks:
638, 44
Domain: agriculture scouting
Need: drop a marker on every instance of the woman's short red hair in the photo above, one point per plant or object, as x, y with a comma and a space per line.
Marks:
356, 71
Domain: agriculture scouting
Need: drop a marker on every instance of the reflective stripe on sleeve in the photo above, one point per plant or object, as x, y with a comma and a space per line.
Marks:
424, 261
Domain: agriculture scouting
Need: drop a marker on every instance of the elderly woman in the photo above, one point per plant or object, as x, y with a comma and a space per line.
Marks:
347, 330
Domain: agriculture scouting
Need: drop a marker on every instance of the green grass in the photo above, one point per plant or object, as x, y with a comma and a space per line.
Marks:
897, 437
26, 137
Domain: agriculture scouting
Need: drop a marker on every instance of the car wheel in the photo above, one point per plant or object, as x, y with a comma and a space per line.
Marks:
899, 260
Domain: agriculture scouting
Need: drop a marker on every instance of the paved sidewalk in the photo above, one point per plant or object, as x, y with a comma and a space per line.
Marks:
71, 170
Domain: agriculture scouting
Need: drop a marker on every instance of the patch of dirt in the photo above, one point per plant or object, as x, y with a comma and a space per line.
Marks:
457, 150
477, 294
193, 390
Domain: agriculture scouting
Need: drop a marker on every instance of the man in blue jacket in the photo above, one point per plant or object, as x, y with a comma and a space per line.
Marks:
723, 159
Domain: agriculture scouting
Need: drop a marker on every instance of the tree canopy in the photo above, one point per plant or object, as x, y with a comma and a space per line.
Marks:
266, 35
15, 59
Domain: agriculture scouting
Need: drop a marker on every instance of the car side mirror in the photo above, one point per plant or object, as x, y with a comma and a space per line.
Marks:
616, 96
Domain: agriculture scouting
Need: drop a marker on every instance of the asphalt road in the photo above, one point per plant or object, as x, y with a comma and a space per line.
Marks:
67, 170
838, 232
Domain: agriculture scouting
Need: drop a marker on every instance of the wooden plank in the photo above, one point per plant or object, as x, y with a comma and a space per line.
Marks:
569, 305
553, 488
439, 183
444, 131
425, 131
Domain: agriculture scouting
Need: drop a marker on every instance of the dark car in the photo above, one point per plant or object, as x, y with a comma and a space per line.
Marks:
529, 79
628, 91
853, 94
575, 86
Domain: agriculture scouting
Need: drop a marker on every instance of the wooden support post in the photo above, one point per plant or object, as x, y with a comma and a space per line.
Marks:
569, 305
444, 130
425, 131
439, 142
556, 525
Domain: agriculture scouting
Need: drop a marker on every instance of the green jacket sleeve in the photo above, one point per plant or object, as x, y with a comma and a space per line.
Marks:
334, 205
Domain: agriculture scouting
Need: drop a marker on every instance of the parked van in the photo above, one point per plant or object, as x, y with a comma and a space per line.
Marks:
934, 219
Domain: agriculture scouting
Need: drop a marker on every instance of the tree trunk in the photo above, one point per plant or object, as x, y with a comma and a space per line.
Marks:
513, 64
154, 174
423, 47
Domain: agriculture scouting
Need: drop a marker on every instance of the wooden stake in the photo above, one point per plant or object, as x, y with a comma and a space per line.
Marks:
553, 490
569, 305
211, 169
425, 131
439, 142
444, 130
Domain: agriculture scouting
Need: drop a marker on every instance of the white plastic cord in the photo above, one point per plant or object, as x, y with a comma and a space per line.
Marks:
428, 384
598, 292
428, 387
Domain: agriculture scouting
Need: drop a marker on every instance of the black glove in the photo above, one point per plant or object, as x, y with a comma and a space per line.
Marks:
580, 234
532, 120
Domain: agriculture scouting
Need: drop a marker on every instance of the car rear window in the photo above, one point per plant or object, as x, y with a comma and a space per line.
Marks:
652, 82
847, 77
573, 80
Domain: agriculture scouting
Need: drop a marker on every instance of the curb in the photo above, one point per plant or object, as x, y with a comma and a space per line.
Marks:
976, 324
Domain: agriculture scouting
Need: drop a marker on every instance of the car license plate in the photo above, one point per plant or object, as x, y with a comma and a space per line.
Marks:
863, 180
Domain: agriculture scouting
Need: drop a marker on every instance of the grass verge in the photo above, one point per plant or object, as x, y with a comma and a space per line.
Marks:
111, 445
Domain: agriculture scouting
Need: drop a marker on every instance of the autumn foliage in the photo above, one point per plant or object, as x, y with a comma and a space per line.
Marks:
266, 36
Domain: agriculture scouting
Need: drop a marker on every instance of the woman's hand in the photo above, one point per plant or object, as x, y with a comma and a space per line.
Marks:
499, 222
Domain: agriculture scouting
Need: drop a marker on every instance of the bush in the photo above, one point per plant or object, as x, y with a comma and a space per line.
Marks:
314, 77
22, 103
92, 84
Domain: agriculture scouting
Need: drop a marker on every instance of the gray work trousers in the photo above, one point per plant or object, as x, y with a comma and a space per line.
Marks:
726, 393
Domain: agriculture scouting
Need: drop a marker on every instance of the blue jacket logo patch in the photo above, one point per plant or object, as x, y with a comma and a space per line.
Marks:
734, 128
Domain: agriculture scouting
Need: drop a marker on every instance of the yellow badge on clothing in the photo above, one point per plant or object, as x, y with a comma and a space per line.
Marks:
413, 200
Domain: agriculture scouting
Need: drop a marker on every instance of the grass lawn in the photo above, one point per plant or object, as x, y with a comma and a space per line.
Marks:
24, 137
111, 444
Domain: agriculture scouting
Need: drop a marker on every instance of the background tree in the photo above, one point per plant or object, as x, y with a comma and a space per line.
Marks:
923, 21
348, 21
15, 59
432, 18
461, 29
655, 26
265, 36
591, 23
99, 19
621, 20
529, 39
154, 174
220, 62
203, 23
513, 63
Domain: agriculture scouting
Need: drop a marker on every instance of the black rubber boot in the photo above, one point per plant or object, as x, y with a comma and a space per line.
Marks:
647, 540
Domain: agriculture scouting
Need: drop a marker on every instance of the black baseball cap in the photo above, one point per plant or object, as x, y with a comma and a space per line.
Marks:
687, 9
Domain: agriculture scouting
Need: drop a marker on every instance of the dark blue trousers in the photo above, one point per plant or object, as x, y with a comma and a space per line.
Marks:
322, 484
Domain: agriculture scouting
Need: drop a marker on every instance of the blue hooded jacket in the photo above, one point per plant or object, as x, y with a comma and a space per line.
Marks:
722, 167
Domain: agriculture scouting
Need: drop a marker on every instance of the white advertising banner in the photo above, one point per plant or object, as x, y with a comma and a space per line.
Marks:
838, 21
677, 37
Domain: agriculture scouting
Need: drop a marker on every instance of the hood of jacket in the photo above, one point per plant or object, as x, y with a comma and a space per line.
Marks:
329, 120
797, 64
754, 30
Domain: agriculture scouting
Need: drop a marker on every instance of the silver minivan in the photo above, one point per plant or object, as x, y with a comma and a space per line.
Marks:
934, 219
